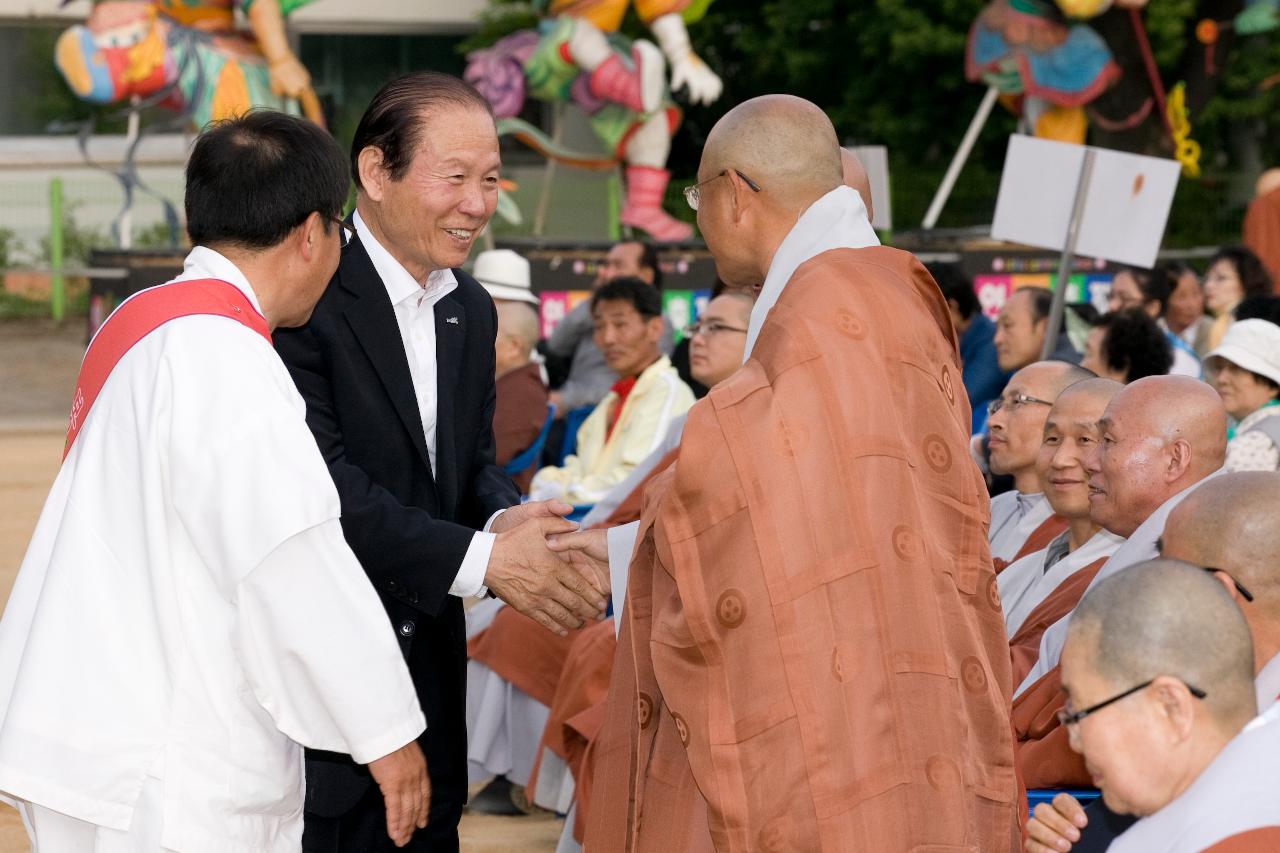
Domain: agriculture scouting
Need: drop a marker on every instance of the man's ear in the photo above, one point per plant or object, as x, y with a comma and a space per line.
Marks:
1179, 460
310, 234
373, 173
742, 197
1176, 706
653, 329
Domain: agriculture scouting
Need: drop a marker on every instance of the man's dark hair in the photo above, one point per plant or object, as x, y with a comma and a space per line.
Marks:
1134, 344
634, 291
253, 179
1254, 278
1155, 285
395, 118
955, 287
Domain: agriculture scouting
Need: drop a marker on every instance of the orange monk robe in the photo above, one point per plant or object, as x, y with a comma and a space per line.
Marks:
1045, 758
522, 652
1265, 840
812, 654
1039, 539
1262, 232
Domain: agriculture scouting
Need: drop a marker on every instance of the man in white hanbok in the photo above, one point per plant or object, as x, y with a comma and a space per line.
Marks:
188, 613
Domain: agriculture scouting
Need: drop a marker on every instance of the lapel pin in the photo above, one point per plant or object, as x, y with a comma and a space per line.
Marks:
453, 320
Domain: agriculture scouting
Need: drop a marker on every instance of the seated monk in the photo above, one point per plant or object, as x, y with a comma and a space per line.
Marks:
1041, 588
1227, 523
633, 417
520, 407
1160, 437
1158, 670
515, 664
1022, 522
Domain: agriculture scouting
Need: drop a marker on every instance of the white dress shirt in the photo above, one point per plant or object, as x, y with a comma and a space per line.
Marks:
414, 303
1014, 517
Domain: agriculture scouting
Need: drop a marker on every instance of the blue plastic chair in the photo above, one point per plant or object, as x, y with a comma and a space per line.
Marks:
525, 458
1036, 796
572, 422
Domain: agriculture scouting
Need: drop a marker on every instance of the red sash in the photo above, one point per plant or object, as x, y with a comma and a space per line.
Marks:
144, 313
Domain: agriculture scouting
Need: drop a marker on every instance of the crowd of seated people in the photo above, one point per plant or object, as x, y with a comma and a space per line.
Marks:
1115, 463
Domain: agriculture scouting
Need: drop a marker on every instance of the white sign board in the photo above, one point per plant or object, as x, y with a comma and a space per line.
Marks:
875, 159
1126, 204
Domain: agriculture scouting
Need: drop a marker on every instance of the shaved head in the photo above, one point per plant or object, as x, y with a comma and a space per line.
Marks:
1160, 436
1229, 523
1017, 429
782, 142
1166, 617
1093, 389
856, 178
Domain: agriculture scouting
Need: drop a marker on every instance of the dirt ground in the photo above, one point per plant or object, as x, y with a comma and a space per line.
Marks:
38, 364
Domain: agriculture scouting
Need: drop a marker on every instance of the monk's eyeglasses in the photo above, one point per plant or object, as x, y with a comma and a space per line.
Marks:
1244, 593
1072, 718
693, 194
1015, 402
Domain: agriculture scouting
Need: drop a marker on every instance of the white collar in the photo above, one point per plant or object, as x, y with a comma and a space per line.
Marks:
838, 220
400, 285
203, 262
1267, 684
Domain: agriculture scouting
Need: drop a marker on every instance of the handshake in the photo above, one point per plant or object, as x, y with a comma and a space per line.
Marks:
546, 569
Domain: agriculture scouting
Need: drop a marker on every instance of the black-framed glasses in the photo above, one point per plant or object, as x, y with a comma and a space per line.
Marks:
709, 328
1017, 401
1073, 718
344, 230
693, 194
1244, 593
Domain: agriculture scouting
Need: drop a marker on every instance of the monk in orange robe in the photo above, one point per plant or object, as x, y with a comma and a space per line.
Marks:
812, 654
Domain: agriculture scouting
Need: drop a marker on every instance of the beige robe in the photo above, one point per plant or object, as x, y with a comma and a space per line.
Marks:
812, 654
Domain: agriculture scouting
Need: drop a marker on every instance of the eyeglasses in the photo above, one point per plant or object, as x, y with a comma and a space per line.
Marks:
1017, 401
693, 196
1072, 718
1244, 593
348, 233
708, 328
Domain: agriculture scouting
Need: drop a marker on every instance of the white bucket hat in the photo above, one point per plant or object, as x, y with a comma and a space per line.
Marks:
505, 275
1253, 345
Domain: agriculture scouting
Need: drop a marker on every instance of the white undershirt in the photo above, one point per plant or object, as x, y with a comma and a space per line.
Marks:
414, 304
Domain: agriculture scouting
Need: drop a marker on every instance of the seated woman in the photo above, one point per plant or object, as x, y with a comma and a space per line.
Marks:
1245, 369
1127, 345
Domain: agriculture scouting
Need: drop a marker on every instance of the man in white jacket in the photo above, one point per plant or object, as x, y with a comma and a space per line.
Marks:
188, 612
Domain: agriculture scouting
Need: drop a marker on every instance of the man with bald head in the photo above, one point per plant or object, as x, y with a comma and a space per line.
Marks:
521, 395
1229, 524
1043, 587
1160, 437
1158, 671
746, 710
1022, 522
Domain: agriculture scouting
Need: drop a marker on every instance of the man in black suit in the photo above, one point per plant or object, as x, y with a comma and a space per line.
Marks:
397, 368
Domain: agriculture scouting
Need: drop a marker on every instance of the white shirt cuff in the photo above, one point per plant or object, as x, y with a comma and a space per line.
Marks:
469, 582
622, 543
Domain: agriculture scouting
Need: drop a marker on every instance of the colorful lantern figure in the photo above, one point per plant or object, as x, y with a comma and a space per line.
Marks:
189, 54
578, 56
1046, 63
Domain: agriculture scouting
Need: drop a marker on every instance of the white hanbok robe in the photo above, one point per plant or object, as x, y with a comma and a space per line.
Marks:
188, 612
1236, 793
1138, 548
1014, 517
1026, 582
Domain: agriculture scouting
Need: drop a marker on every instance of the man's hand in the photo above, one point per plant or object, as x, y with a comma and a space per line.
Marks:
1054, 828
517, 515
588, 551
524, 573
402, 778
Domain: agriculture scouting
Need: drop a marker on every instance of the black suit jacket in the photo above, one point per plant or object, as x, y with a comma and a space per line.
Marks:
409, 526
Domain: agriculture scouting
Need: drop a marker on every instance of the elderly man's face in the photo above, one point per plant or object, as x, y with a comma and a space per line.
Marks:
439, 206
1124, 744
627, 339
623, 259
1070, 436
1126, 472
1019, 335
1017, 428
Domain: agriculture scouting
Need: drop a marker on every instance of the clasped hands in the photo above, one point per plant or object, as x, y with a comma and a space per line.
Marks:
547, 569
